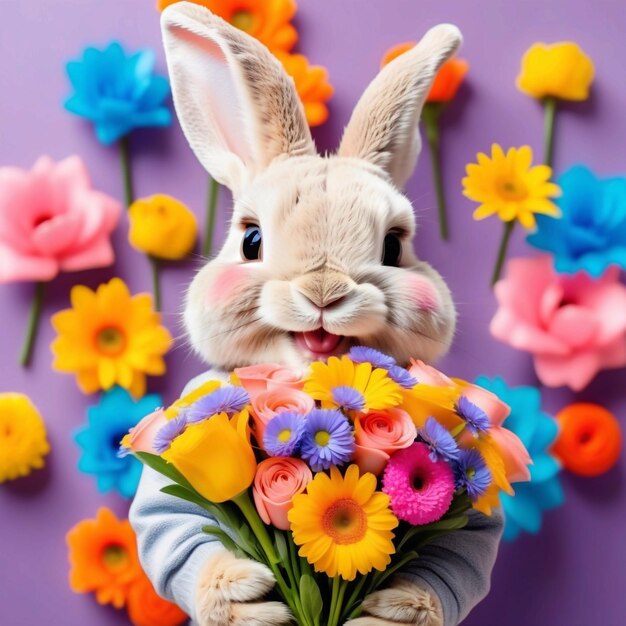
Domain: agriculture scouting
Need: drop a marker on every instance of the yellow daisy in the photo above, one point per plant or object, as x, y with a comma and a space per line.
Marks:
109, 337
343, 524
23, 442
341, 383
506, 185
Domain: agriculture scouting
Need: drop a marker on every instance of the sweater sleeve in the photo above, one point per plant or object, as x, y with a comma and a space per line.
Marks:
172, 547
457, 566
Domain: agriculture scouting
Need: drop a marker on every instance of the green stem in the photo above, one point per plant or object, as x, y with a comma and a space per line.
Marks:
549, 107
33, 324
127, 172
504, 244
354, 596
207, 244
333, 617
430, 115
156, 283
455, 432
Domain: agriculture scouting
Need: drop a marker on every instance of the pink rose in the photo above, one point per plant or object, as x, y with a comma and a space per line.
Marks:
427, 375
378, 434
276, 483
267, 404
140, 438
51, 220
574, 326
265, 376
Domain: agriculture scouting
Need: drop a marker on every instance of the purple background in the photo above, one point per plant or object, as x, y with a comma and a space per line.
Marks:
568, 575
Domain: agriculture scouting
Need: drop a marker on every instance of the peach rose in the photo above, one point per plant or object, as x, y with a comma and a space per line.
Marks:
276, 483
378, 434
267, 404
427, 375
266, 376
140, 438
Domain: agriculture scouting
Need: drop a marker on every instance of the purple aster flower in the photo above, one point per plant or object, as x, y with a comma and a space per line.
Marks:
363, 354
283, 434
166, 434
328, 439
402, 377
348, 398
472, 473
223, 400
475, 418
441, 443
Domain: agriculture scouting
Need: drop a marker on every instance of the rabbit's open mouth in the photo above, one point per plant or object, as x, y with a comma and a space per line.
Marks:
320, 344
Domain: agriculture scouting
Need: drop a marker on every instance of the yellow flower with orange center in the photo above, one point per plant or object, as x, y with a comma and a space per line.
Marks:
343, 525
103, 558
267, 20
109, 337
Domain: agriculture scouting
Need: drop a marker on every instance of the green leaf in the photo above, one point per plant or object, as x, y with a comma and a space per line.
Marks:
161, 466
225, 540
311, 598
281, 547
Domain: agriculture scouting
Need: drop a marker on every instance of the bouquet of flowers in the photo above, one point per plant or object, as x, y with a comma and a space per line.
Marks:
334, 479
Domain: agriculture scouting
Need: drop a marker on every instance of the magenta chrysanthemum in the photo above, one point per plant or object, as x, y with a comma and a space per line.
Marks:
421, 490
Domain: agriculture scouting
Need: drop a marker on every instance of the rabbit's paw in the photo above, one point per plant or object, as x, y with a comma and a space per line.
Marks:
227, 589
402, 603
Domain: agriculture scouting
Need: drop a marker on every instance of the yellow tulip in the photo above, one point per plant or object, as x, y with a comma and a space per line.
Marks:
216, 457
162, 227
560, 70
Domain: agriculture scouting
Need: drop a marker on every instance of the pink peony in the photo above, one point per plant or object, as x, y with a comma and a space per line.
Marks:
51, 220
266, 376
276, 483
574, 326
378, 434
268, 404
427, 375
140, 438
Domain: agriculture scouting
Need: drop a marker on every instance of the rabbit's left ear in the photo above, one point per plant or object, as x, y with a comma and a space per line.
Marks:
384, 126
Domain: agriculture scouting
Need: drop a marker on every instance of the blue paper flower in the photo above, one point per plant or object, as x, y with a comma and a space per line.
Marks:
537, 431
475, 418
471, 473
363, 354
591, 234
118, 92
166, 434
328, 439
402, 377
283, 434
99, 440
441, 443
229, 399
348, 398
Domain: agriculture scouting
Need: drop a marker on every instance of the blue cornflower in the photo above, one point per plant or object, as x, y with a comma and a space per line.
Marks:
283, 434
591, 233
441, 443
229, 399
166, 434
328, 439
402, 377
475, 418
118, 92
363, 354
99, 440
348, 398
537, 431
472, 473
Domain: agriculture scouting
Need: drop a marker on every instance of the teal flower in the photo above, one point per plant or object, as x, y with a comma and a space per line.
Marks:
118, 92
537, 431
99, 440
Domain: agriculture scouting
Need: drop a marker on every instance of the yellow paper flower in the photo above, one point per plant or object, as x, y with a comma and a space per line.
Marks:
373, 388
215, 456
507, 186
23, 442
109, 337
343, 524
560, 70
162, 227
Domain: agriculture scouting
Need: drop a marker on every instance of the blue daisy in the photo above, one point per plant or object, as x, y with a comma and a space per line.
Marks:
472, 473
402, 377
283, 434
363, 354
328, 439
475, 418
99, 440
348, 398
228, 399
441, 443
166, 434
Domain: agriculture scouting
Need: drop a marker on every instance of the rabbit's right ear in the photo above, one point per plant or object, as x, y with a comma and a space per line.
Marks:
236, 104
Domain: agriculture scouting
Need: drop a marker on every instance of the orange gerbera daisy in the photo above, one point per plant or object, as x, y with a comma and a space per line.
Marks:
267, 20
103, 558
312, 86
147, 608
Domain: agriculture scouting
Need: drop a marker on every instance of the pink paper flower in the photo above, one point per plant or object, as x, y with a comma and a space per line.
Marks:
427, 375
574, 326
268, 404
51, 220
140, 438
266, 376
276, 483
378, 434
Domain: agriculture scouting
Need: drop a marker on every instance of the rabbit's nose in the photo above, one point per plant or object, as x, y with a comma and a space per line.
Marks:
325, 289
324, 303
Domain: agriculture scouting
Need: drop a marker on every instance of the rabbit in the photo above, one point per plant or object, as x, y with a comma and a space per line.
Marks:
318, 257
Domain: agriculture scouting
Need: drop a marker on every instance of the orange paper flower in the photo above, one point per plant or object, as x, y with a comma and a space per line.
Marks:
103, 558
312, 86
147, 608
395, 51
267, 20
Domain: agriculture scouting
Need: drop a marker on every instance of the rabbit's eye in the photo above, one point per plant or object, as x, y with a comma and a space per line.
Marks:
392, 250
252, 244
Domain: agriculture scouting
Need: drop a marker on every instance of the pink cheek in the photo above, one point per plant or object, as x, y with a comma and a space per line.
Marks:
227, 284
423, 293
